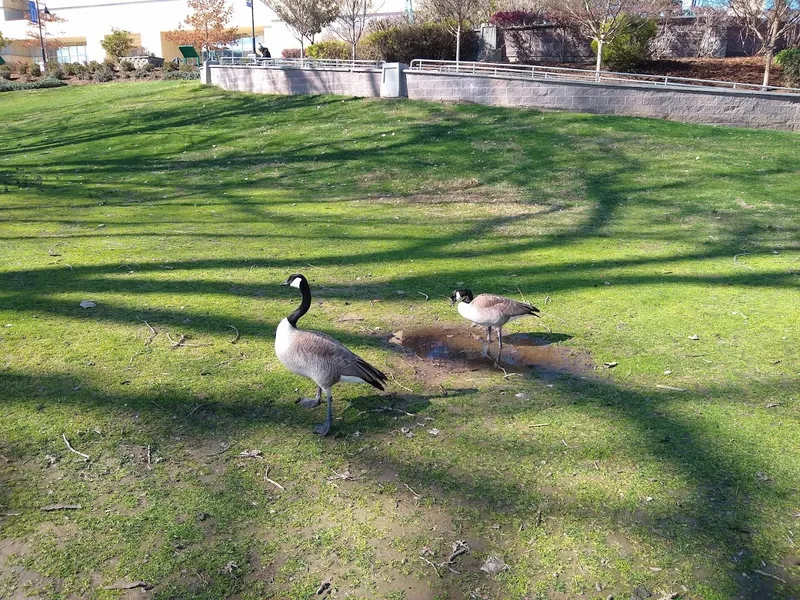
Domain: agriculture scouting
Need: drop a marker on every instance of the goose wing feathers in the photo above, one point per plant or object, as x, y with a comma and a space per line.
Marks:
503, 305
329, 360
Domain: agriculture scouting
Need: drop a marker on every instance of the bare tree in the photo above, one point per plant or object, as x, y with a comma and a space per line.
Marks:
353, 17
208, 26
305, 18
768, 22
714, 21
602, 20
456, 14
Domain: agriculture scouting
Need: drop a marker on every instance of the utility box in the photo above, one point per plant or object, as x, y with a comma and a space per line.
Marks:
393, 81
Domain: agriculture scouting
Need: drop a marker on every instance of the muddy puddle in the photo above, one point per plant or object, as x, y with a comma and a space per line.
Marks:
462, 348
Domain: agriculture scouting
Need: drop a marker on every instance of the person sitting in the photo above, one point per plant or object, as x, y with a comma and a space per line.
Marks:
264, 52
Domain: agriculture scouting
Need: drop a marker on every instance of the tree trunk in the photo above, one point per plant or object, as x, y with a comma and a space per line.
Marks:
772, 38
767, 67
354, 52
599, 59
301, 51
458, 43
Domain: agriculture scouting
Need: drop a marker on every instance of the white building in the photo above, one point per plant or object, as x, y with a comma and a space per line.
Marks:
87, 22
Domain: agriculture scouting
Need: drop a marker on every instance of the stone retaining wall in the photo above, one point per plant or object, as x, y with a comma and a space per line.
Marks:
265, 80
686, 104
700, 105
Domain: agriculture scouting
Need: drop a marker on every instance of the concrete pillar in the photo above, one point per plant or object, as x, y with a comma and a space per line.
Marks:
205, 71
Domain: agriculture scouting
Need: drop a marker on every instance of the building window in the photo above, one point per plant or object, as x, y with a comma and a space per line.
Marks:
72, 54
241, 47
14, 14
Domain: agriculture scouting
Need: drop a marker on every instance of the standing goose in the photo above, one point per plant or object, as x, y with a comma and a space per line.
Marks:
319, 357
488, 310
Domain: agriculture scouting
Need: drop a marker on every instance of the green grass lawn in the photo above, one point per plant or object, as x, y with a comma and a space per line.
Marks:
676, 471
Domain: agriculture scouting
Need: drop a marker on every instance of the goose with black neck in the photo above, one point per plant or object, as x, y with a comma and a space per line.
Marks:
489, 310
319, 357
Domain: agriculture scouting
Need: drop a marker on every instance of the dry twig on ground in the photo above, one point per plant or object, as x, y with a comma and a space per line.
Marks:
272, 481
54, 507
435, 568
64, 435
400, 384
182, 342
412, 491
129, 586
153, 332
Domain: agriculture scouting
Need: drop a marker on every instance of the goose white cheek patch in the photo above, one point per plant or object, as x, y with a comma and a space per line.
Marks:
458, 297
295, 283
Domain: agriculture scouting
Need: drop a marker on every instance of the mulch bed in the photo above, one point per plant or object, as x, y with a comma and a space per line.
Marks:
748, 69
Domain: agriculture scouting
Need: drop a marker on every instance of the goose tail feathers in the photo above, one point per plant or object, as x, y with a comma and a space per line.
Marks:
361, 369
532, 310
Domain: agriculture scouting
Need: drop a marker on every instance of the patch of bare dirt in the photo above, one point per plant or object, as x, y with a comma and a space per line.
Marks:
745, 69
445, 350
18, 582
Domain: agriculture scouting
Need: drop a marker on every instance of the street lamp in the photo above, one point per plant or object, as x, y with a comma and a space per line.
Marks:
41, 35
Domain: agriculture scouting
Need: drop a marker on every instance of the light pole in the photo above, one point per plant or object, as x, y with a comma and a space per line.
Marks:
41, 35
252, 22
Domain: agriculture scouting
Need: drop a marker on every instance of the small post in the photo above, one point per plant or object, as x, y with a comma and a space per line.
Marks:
41, 35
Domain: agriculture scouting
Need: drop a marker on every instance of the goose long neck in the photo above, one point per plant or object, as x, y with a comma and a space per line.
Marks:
305, 304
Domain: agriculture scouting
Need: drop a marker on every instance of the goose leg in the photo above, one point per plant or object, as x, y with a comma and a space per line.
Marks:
489, 334
324, 428
311, 402
499, 344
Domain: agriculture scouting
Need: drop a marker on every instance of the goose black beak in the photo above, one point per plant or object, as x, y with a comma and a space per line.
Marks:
285, 283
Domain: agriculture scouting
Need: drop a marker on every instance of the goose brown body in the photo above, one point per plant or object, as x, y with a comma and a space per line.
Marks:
322, 359
319, 357
490, 310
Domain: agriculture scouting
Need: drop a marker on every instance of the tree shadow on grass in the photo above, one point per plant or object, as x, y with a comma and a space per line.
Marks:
722, 509
717, 516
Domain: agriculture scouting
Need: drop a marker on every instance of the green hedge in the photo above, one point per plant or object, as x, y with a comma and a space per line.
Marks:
30, 85
330, 49
789, 59
405, 42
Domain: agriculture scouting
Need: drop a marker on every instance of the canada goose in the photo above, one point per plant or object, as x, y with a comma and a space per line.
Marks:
488, 310
319, 357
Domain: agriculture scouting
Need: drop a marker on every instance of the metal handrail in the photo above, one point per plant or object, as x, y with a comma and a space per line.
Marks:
570, 74
297, 63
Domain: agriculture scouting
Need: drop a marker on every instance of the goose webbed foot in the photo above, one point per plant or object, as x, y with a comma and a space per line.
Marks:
323, 428
310, 402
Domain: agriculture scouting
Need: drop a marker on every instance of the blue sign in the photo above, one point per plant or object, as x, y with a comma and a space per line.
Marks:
249, 3
33, 11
